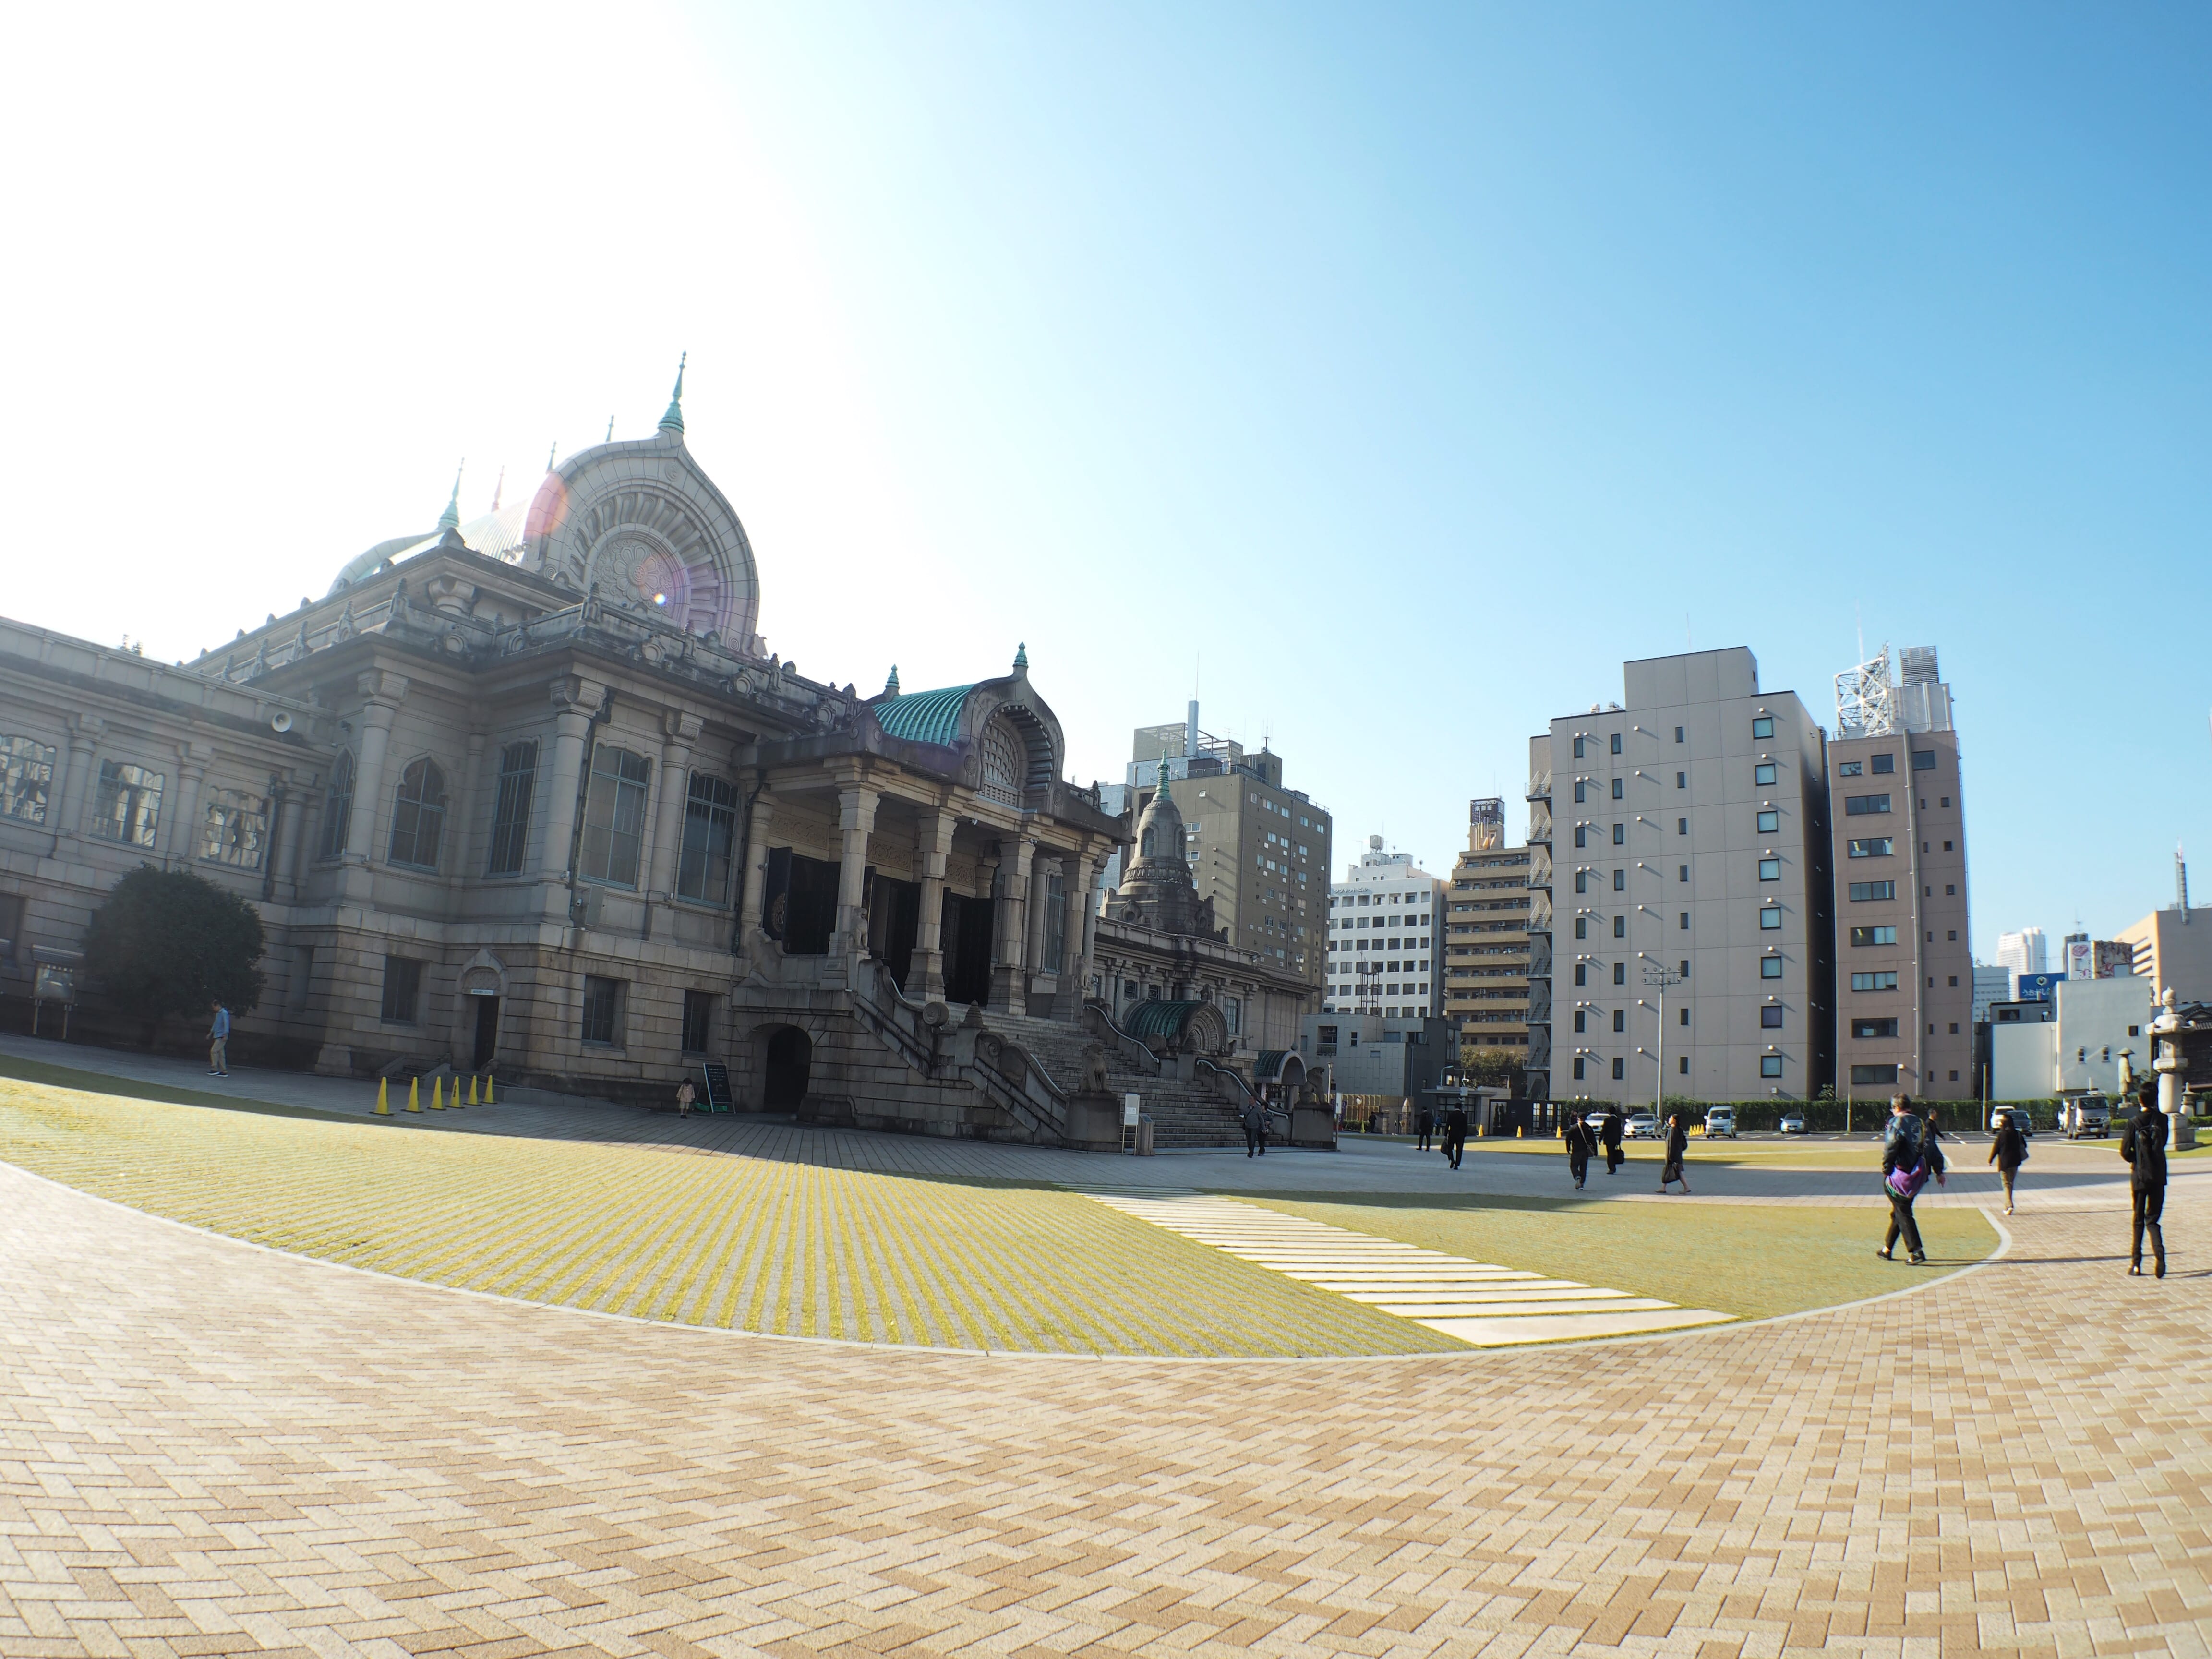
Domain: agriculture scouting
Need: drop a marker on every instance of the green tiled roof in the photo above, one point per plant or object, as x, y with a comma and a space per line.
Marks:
1161, 1019
924, 716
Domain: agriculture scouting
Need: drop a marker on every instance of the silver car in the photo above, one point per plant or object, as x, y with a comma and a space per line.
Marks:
1643, 1125
1793, 1123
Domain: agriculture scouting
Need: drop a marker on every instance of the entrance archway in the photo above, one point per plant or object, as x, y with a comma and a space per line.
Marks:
784, 1068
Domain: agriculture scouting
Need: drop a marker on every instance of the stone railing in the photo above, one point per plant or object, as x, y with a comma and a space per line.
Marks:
977, 1057
1130, 1049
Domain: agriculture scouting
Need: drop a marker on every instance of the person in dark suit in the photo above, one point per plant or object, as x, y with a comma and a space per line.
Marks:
1255, 1130
1455, 1133
1615, 1126
1678, 1147
2142, 1143
1582, 1144
1426, 1123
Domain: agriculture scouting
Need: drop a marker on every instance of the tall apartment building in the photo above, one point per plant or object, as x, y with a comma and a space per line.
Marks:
1384, 931
1485, 942
1905, 970
1681, 926
1260, 852
2023, 953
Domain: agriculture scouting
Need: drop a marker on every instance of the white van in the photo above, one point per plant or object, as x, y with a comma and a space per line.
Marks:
1720, 1123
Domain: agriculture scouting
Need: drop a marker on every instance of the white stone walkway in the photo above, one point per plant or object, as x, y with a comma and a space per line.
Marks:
1474, 1302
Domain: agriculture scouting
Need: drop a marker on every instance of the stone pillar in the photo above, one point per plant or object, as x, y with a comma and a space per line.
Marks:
666, 833
574, 701
1074, 963
936, 838
290, 854
754, 894
1042, 871
856, 821
382, 693
1010, 974
76, 781
459, 859
180, 834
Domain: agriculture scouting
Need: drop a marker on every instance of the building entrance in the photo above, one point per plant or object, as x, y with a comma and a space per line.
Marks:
967, 948
487, 1044
784, 1070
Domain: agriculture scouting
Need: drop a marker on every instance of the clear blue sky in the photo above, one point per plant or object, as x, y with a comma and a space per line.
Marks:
1331, 356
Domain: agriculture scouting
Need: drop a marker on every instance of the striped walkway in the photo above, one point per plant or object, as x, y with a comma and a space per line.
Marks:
1472, 1301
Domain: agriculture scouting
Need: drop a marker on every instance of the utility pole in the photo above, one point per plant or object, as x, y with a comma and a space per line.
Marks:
1658, 977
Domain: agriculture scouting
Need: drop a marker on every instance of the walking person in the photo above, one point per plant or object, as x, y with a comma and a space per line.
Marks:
218, 1041
1455, 1133
2007, 1150
1427, 1124
1255, 1130
1582, 1145
1678, 1146
2142, 1143
1909, 1156
1611, 1131
684, 1096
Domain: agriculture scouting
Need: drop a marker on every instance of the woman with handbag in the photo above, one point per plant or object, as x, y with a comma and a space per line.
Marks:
1678, 1147
2007, 1150
1909, 1156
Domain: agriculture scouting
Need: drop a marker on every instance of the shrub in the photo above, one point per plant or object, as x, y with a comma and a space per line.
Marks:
171, 942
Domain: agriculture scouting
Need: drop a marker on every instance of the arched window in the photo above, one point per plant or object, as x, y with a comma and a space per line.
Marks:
1003, 767
418, 817
614, 815
337, 806
1147, 850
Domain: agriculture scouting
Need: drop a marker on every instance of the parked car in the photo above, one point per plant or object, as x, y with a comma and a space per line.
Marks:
1643, 1125
1720, 1123
2022, 1120
1793, 1123
1596, 1120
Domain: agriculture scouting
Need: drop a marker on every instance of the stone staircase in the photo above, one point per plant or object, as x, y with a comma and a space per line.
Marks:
1184, 1114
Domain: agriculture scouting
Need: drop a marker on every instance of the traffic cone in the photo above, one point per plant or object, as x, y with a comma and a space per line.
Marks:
472, 1088
437, 1094
487, 1101
413, 1101
383, 1108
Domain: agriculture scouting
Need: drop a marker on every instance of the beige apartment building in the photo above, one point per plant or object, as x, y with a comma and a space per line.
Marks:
2172, 949
1904, 973
1682, 929
1486, 957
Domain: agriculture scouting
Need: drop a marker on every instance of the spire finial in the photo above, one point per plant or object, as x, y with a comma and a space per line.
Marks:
610, 429
673, 420
498, 487
451, 517
1022, 654
1165, 793
552, 455
891, 685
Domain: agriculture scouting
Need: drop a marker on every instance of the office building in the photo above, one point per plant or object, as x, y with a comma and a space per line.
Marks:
2172, 949
2023, 953
1992, 984
1681, 931
1905, 970
2090, 1035
1258, 853
1485, 942
1384, 928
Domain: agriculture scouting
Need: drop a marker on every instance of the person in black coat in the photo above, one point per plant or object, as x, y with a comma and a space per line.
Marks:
2007, 1150
2143, 1145
1426, 1123
1582, 1145
1455, 1133
1615, 1126
1908, 1146
1255, 1118
1678, 1147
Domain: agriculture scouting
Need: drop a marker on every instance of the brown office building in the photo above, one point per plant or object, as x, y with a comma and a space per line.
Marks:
1486, 938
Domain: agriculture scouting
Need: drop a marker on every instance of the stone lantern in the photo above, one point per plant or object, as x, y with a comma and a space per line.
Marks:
2165, 1037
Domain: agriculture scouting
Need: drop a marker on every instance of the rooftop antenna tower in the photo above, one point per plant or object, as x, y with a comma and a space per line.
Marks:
2181, 882
1866, 698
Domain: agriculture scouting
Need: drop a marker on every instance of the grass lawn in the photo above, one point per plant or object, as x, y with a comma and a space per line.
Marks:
1753, 1261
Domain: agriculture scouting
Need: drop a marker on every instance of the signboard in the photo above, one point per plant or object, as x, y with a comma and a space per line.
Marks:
2035, 988
1130, 1104
2081, 960
55, 984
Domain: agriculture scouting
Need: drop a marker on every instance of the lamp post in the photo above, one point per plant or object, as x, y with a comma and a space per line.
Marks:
1658, 977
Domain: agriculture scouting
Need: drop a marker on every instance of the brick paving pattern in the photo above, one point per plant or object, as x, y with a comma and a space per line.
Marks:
208, 1449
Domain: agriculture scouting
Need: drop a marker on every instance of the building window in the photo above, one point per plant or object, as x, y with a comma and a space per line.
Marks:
1579, 1021
1924, 759
1682, 1064
1620, 835
1685, 1014
402, 989
1946, 846
1582, 926
510, 817
1950, 890
1769, 966
1621, 973
1684, 873
1620, 1068
602, 1011
1582, 881
698, 1020
1770, 869
1620, 1019
1870, 847
1764, 772
26, 773
1578, 1071
1860, 806
1578, 749
1880, 981
1620, 881
1883, 764
1681, 826
710, 829
1861, 891
1582, 973
127, 804
1678, 734
1769, 822
1769, 1066
1579, 787
1885, 935
1685, 921
1616, 743
337, 806
1619, 786
1952, 935
1620, 927
418, 816
1580, 829
1875, 1074
1874, 1027
1682, 779
1770, 918
614, 817
1849, 768
236, 829
1763, 726
1770, 1016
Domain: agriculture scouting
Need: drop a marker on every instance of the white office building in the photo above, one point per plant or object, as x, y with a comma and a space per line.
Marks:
2024, 952
1385, 956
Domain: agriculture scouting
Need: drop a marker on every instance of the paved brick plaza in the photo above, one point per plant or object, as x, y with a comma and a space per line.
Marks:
209, 1448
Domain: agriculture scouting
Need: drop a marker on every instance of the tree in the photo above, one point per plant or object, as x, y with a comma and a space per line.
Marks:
1489, 1066
174, 943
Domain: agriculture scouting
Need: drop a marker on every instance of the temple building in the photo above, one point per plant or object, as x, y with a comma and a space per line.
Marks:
530, 794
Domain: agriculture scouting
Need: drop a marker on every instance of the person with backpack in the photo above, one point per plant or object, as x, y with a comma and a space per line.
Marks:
1909, 1156
2142, 1143
1614, 1127
1255, 1130
1678, 1147
2007, 1150
1582, 1144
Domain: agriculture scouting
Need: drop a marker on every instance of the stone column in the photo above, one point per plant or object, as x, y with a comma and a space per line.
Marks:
574, 701
1074, 958
76, 788
180, 834
1042, 871
301, 800
753, 894
666, 834
382, 693
935, 834
856, 821
1010, 974
457, 856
